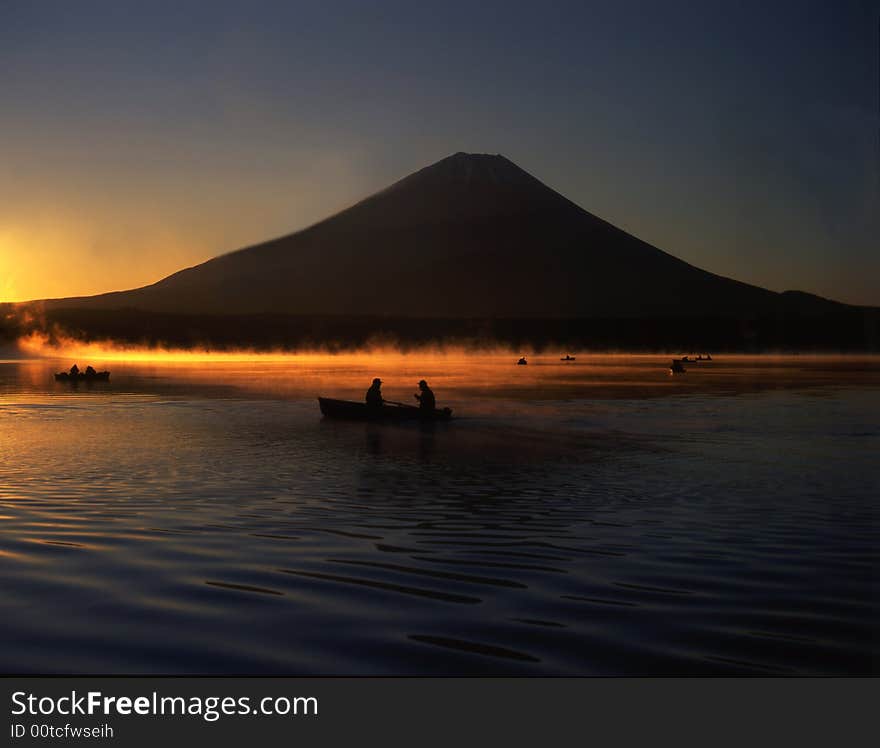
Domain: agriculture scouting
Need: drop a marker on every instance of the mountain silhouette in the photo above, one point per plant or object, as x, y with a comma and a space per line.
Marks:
472, 236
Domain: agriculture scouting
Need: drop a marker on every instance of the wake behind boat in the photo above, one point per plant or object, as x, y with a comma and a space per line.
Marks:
350, 410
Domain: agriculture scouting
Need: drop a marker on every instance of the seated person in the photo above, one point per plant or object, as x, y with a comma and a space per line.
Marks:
374, 394
426, 398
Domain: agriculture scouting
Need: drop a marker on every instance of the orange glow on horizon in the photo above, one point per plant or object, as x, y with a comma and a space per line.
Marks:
40, 345
96, 230
57, 257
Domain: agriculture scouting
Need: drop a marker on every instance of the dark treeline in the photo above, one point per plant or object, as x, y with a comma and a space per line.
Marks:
847, 329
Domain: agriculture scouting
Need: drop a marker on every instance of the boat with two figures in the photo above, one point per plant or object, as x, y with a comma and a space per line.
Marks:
354, 411
89, 375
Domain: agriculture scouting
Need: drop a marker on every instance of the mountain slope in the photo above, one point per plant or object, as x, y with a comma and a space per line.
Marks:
472, 236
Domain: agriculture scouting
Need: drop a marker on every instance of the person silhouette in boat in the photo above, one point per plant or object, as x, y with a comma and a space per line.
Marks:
374, 394
74, 370
426, 398
90, 371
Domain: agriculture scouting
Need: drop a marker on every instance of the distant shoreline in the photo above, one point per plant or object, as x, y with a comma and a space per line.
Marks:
849, 329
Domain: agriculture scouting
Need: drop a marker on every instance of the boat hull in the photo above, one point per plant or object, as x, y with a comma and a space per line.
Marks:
362, 412
101, 376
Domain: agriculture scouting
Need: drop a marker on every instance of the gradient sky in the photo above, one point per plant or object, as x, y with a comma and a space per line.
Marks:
137, 138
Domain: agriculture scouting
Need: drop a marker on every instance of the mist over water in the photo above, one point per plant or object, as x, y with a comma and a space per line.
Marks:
589, 517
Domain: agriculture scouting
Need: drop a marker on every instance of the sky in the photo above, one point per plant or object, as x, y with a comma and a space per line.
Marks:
138, 138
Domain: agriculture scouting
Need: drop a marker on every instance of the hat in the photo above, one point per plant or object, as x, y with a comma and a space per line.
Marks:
377, 381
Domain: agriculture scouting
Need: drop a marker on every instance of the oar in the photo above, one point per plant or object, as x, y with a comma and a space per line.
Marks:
394, 402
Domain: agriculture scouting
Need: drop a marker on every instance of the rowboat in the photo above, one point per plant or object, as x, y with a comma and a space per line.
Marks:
362, 412
98, 376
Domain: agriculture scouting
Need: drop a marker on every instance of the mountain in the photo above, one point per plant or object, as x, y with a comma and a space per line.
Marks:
472, 236
471, 249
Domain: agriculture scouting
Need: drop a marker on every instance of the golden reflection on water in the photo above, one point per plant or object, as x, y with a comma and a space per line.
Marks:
457, 376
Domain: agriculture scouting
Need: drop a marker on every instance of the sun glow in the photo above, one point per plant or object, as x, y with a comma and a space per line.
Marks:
52, 254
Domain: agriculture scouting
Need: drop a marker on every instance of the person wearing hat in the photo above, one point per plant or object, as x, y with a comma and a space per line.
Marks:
374, 394
425, 397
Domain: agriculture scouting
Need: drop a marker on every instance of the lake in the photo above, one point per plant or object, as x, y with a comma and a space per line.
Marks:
195, 514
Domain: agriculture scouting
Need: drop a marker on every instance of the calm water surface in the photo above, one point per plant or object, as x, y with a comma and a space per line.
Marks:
595, 517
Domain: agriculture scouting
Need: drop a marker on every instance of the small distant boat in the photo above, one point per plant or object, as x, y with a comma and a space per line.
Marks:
98, 376
566, 357
522, 361
362, 412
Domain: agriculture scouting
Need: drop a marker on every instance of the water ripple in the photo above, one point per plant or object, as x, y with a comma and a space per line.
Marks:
216, 529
